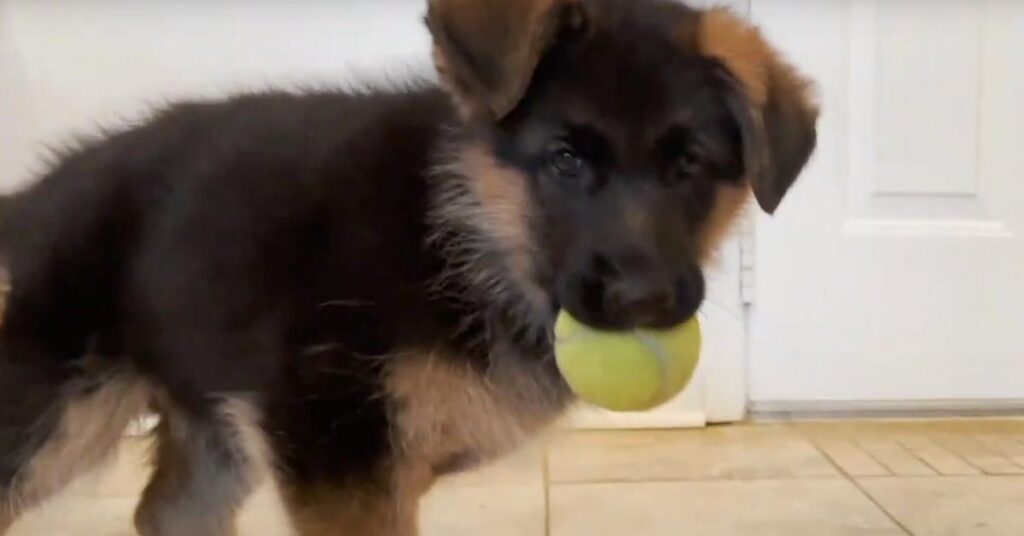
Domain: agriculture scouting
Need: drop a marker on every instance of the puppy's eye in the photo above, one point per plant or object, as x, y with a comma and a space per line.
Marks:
565, 162
686, 167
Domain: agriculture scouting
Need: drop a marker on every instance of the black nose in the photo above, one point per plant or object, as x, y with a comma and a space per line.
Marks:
631, 291
643, 300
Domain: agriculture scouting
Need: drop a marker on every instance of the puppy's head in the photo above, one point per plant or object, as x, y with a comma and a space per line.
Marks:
612, 142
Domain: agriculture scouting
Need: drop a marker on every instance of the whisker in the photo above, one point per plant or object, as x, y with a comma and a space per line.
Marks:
345, 303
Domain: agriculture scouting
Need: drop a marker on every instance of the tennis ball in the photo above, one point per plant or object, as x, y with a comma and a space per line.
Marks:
626, 371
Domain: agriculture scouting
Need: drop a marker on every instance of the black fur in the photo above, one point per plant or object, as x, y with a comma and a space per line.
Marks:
271, 243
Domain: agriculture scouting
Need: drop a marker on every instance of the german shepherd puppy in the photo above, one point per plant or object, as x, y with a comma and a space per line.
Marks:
353, 293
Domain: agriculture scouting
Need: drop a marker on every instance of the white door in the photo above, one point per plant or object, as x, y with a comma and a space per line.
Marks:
892, 276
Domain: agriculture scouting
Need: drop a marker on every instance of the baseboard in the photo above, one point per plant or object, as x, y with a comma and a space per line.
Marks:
774, 410
593, 419
763, 410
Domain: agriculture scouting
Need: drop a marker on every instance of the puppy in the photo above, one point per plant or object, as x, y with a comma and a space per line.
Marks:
353, 294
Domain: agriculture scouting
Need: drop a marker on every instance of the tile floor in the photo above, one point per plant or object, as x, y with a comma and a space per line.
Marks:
927, 478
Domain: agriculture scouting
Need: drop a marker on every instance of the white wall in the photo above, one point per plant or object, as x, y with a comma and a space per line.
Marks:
66, 65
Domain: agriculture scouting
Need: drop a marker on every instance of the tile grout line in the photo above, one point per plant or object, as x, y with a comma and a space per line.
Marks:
878, 505
852, 480
545, 470
685, 480
917, 456
960, 456
1009, 458
780, 478
867, 452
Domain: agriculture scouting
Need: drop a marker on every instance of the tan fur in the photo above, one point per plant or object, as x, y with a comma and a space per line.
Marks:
90, 427
502, 192
448, 408
786, 80
745, 52
729, 204
740, 46
502, 210
768, 82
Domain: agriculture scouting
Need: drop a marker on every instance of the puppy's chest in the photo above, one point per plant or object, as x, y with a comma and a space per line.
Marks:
448, 414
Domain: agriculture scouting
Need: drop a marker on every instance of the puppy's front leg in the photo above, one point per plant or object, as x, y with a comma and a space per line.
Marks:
205, 468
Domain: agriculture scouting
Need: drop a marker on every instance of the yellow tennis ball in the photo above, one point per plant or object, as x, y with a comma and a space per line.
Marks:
626, 371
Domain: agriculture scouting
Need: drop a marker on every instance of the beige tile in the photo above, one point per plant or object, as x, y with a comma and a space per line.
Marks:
74, 514
459, 506
99, 503
831, 507
945, 447
978, 455
507, 493
953, 506
505, 498
515, 509
263, 514
508, 497
123, 475
895, 457
1010, 447
69, 515
944, 462
850, 457
740, 452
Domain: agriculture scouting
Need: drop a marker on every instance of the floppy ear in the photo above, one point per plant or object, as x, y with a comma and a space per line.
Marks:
773, 105
486, 51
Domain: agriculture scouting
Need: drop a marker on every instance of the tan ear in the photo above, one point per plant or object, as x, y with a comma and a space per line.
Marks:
781, 114
486, 51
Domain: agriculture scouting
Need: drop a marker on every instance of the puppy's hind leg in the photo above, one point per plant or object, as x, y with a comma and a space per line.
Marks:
206, 466
55, 424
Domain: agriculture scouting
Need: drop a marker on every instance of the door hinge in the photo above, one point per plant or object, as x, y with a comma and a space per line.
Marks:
748, 284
